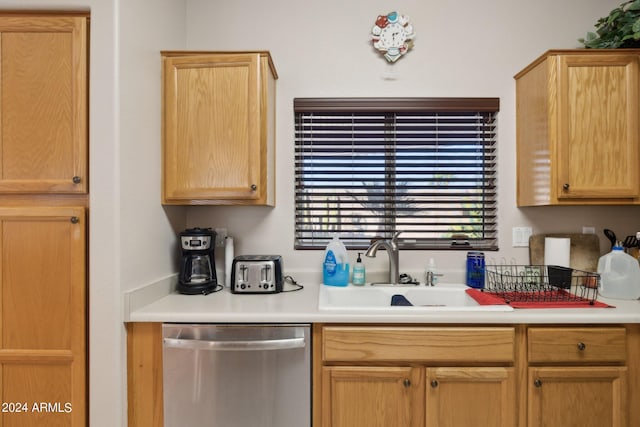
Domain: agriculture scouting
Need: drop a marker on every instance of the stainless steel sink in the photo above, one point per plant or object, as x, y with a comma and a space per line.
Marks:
444, 297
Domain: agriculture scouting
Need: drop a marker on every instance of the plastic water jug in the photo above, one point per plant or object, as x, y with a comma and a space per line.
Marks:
619, 275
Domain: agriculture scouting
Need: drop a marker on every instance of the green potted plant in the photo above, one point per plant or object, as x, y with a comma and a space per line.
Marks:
621, 29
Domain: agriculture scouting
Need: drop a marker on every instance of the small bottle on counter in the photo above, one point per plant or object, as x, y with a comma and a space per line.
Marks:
431, 273
359, 272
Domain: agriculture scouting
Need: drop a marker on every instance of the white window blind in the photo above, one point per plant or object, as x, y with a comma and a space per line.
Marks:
368, 167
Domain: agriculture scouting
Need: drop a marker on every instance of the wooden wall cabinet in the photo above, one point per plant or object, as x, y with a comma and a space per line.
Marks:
43, 126
218, 128
578, 128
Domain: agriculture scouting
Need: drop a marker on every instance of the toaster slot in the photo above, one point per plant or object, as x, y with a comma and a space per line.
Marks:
266, 273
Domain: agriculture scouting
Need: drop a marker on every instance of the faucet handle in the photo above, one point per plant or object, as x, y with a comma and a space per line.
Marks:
429, 281
395, 236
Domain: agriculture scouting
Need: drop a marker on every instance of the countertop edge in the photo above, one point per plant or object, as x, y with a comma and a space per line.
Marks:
142, 296
158, 302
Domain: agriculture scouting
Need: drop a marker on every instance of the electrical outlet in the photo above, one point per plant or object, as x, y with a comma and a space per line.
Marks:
521, 236
221, 234
588, 230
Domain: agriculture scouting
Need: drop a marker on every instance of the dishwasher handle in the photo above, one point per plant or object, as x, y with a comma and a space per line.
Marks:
235, 345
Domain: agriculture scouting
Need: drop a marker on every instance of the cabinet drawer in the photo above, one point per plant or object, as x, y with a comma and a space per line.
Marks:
571, 345
418, 344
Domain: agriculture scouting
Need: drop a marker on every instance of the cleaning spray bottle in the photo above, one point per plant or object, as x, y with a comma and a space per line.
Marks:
335, 268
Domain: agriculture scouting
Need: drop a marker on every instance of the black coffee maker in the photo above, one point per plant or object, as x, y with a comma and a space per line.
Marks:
197, 264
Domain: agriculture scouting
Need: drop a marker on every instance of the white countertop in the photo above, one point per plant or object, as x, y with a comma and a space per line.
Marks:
302, 307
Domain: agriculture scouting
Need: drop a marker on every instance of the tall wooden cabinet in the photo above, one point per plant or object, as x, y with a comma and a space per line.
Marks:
43, 221
578, 128
218, 128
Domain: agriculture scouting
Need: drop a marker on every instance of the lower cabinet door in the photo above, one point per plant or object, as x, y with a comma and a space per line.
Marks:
577, 396
372, 397
42, 317
459, 397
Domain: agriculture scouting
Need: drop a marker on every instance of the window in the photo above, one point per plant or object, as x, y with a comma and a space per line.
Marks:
368, 167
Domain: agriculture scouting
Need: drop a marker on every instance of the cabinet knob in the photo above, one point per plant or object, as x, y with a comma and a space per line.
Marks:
74, 220
581, 346
434, 383
254, 187
565, 187
76, 179
406, 382
537, 383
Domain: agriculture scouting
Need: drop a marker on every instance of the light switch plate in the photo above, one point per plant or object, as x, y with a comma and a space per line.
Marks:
521, 236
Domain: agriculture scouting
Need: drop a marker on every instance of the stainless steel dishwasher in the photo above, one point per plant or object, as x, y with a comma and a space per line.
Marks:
237, 375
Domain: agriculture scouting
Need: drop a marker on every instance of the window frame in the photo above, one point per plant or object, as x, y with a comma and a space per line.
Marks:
400, 106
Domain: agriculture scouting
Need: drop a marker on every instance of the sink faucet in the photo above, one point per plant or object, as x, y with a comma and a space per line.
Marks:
391, 246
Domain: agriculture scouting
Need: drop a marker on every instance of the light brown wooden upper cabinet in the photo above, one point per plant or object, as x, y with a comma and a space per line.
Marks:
578, 128
43, 104
218, 128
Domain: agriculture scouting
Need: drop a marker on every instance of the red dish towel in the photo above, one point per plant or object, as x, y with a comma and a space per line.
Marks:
487, 298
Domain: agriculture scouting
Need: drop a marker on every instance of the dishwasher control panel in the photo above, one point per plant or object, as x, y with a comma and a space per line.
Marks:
256, 274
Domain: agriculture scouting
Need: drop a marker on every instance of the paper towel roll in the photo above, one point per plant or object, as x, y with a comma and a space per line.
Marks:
557, 251
228, 260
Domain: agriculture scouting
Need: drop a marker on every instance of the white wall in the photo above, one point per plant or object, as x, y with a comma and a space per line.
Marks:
106, 360
148, 247
464, 48
147, 231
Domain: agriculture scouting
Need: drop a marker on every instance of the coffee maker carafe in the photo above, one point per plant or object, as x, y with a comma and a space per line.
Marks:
197, 265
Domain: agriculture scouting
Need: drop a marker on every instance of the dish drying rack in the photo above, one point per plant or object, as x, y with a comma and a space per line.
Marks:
541, 283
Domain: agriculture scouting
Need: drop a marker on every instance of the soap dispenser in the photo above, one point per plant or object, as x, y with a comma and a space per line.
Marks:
431, 273
359, 271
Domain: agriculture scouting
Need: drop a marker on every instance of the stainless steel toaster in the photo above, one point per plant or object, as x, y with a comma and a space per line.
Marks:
256, 274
